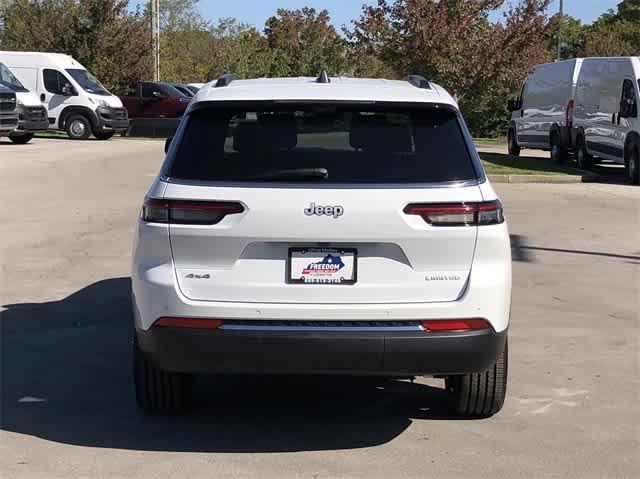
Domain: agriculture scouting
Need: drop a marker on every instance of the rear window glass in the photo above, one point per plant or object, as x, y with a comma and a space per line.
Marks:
350, 144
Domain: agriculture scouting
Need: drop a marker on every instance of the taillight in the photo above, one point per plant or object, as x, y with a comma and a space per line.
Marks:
568, 117
466, 324
192, 323
458, 214
187, 212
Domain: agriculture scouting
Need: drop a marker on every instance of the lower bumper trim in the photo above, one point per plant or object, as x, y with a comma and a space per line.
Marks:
384, 353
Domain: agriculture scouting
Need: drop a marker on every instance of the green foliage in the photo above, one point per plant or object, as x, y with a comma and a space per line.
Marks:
303, 42
452, 42
572, 36
103, 35
615, 33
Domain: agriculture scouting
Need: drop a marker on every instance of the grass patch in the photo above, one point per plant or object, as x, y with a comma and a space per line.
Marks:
499, 141
503, 164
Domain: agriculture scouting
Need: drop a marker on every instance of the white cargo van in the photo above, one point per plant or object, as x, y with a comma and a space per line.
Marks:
76, 101
541, 115
605, 118
32, 116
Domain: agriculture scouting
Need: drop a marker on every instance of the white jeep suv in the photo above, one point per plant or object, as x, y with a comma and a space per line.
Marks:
330, 226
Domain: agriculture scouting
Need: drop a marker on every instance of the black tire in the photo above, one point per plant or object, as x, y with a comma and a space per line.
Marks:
512, 143
584, 160
632, 165
159, 391
558, 153
21, 139
78, 127
479, 394
104, 135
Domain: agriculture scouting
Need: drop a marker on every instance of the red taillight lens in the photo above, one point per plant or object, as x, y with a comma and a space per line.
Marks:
458, 214
188, 212
192, 323
467, 324
568, 118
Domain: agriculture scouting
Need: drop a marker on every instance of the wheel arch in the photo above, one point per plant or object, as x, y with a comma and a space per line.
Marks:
77, 110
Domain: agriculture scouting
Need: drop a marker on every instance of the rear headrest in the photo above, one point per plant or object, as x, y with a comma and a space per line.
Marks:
278, 131
374, 132
271, 132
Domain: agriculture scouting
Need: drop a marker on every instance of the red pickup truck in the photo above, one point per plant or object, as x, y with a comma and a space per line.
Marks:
154, 100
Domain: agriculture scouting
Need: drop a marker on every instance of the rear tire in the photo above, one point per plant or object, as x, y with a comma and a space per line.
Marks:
584, 160
479, 394
21, 139
104, 135
558, 153
512, 143
632, 165
159, 391
78, 127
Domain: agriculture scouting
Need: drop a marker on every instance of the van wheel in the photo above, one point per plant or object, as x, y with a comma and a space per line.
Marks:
558, 153
632, 165
104, 135
512, 143
479, 394
78, 127
158, 390
21, 139
584, 160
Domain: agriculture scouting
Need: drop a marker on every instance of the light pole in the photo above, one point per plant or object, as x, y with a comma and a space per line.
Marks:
560, 32
155, 38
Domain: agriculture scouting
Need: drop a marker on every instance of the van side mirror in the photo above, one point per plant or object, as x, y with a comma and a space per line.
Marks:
514, 104
157, 95
167, 144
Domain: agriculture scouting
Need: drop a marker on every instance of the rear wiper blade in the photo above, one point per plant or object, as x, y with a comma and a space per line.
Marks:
299, 174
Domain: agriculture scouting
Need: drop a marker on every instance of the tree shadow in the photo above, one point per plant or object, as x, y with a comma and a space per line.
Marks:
66, 377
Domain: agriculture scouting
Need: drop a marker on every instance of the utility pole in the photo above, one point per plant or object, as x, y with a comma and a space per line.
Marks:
560, 32
155, 38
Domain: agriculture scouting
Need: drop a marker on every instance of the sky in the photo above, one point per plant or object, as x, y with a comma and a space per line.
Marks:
255, 12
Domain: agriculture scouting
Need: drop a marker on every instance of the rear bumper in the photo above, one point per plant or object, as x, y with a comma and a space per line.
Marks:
315, 352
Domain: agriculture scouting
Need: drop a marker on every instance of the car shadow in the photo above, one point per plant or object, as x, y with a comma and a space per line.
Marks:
66, 377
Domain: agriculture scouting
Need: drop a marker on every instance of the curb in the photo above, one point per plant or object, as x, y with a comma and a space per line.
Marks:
542, 178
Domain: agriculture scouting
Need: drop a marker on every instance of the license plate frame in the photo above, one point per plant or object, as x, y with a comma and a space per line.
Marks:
297, 254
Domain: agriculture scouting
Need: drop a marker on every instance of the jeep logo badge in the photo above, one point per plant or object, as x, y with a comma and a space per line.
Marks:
334, 211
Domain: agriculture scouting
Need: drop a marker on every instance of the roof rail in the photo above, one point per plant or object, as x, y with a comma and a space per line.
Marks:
419, 81
225, 79
323, 77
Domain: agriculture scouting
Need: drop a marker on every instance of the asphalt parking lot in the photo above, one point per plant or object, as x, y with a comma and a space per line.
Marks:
67, 408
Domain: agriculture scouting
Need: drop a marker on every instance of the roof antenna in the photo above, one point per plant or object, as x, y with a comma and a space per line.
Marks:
323, 77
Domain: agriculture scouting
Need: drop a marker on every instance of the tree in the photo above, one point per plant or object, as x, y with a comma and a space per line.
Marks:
615, 33
454, 43
303, 42
103, 35
240, 49
572, 36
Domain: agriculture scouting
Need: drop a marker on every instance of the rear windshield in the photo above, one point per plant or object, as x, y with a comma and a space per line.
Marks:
347, 143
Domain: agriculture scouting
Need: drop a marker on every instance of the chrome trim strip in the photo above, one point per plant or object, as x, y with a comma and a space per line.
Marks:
340, 329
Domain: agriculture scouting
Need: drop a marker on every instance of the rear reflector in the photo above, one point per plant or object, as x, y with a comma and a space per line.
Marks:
187, 212
568, 116
458, 214
467, 324
193, 323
